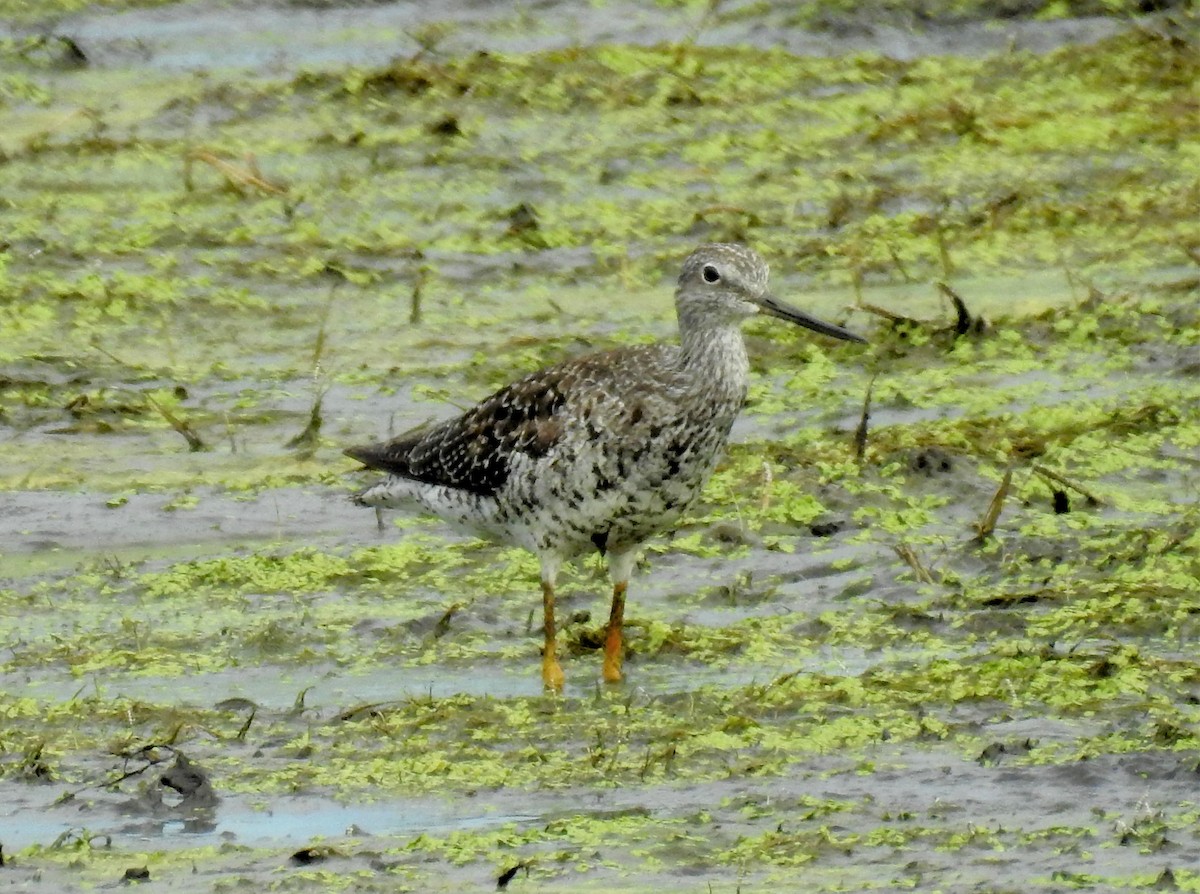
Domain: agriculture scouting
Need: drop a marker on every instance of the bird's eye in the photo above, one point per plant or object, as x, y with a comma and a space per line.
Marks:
710, 273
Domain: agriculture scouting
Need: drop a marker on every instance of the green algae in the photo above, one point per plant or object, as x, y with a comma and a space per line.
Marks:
862, 174
21, 11
736, 113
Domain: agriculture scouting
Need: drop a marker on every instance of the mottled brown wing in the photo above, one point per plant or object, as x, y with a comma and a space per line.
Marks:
474, 451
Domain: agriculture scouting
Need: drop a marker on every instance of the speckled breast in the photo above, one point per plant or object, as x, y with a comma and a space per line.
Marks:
617, 488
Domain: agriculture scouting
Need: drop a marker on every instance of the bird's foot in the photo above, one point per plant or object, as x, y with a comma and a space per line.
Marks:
552, 675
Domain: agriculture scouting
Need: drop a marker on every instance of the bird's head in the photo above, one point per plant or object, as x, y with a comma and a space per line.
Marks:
724, 283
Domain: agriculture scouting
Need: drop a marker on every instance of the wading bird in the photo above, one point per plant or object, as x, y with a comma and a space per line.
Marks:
599, 452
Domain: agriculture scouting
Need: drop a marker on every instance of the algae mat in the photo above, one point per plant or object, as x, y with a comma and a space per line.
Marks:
950, 646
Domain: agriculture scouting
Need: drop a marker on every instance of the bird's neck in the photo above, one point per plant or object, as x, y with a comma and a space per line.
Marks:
716, 355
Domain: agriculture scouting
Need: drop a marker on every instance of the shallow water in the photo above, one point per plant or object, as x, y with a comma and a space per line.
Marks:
277, 39
830, 677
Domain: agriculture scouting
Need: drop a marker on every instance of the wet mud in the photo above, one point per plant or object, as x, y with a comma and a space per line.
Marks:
933, 625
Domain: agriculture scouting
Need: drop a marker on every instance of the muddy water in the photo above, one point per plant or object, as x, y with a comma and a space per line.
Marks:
804, 705
279, 39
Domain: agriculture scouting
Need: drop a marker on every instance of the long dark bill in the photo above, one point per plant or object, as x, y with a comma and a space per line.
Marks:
776, 308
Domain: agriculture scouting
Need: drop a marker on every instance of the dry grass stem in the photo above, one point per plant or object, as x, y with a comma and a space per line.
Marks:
910, 557
987, 524
242, 178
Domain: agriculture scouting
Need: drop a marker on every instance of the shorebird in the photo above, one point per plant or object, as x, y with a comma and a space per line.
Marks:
598, 452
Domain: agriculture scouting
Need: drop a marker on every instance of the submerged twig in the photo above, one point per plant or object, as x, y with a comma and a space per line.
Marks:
860, 433
323, 325
306, 442
230, 434
195, 442
182, 426
764, 502
414, 311
963, 322
442, 627
509, 874
939, 235
1051, 475
910, 557
298, 703
144, 752
892, 317
245, 728
369, 709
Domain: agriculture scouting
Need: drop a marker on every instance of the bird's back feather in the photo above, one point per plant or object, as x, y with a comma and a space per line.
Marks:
474, 451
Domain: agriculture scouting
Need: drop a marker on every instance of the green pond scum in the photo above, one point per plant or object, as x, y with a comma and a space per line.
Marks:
933, 626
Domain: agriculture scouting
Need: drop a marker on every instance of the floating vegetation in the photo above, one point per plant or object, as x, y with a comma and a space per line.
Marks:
932, 595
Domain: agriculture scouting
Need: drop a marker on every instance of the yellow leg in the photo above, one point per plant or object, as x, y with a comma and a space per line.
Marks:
613, 642
552, 675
